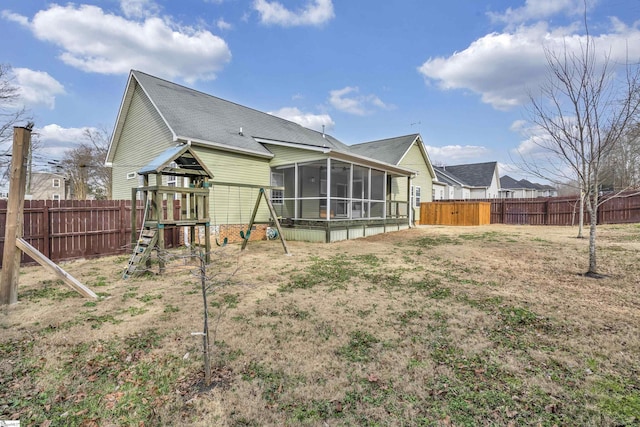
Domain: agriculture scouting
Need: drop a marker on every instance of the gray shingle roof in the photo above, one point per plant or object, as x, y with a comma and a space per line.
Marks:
508, 183
473, 174
390, 150
197, 116
443, 177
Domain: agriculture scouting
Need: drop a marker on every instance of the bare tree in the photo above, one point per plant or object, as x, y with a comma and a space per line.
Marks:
621, 168
99, 139
11, 114
74, 164
84, 167
584, 110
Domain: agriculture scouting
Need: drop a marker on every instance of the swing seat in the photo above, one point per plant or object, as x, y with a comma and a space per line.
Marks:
224, 242
246, 235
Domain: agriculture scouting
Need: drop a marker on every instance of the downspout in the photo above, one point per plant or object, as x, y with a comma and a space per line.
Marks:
410, 210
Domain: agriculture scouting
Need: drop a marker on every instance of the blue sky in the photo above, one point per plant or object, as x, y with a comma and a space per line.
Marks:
458, 72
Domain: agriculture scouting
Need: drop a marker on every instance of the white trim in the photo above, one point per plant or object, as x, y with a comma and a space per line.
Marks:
324, 150
222, 147
372, 163
131, 175
423, 151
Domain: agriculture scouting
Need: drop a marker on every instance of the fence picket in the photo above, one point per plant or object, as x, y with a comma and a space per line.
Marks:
70, 229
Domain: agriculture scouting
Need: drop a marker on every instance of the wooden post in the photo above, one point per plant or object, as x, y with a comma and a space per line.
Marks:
57, 270
134, 214
46, 220
253, 218
273, 213
15, 205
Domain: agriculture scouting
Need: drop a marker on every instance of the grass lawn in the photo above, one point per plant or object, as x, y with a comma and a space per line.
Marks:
434, 326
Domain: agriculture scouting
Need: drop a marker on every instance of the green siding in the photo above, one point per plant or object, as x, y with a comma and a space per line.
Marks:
144, 136
287, 155
415, 160
234, 205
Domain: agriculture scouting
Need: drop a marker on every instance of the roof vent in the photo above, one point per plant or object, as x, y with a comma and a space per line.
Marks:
323, 135
240, 132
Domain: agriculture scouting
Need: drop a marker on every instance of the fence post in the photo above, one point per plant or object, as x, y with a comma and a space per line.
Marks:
122, 236
46, 220
546, 212
15, 216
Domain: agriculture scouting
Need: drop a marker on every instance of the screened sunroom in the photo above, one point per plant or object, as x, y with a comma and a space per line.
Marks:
341, 193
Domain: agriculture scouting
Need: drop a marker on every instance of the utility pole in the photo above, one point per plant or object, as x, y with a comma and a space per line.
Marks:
14, 220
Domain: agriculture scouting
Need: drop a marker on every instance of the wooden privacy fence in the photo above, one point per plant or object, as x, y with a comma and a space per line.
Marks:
623, 208
70, 229
455, 213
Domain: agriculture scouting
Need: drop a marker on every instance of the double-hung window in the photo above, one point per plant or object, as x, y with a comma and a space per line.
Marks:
277, 195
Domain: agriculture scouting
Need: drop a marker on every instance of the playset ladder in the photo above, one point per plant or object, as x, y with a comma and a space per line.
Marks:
146, 243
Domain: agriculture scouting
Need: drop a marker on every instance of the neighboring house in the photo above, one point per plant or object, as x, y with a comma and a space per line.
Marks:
524, 189
48, 186
325, 190
471, 181
449, 187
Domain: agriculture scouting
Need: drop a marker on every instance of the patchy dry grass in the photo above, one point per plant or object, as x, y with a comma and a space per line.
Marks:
433, 326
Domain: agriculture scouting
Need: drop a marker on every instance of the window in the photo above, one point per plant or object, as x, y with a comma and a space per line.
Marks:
172, 181
131, 175
56, 182
417, 196
55, 196
277, 180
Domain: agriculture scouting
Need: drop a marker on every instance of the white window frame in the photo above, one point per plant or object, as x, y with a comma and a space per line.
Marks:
55, 196
131, 175
417, 196
56, 183
277, 196
172, 181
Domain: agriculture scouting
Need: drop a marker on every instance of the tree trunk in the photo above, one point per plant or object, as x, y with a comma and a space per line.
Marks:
592, 208
581, 215
205, 328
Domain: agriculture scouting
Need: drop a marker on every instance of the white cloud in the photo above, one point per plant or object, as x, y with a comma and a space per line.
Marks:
37, 87
10, 16
55, 140
315, 13
350, 101
514, 171
99, 42
452, 154
540, 9
56, 134
223, 25
308, 120
504, 67
139, 8
535, 144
